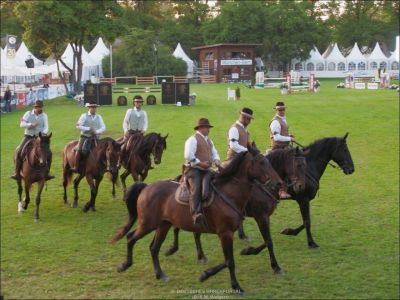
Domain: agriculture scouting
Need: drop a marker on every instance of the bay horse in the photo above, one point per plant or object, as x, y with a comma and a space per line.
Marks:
290, 165
102, 158
155, 208
34, 169
139, 151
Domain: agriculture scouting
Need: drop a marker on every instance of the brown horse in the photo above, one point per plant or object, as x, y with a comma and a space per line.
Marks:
155, 208
291, 167
34, 169
139, 150
103, 158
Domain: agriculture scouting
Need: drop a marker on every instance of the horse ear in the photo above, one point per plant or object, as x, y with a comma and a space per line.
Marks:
50, 135
165, 137
40, 134
345, 136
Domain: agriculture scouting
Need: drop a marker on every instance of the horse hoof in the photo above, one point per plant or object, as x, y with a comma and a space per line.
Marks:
74, 205
244, 238
239, 291
247, 251
93, 208
66, 202
203, 260
279, 272
163, 277
122, 267
314, 247
287, 231
203, 276
170, 251
85, 209
37, 220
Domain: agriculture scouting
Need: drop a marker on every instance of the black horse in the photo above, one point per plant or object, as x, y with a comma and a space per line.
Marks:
290, 164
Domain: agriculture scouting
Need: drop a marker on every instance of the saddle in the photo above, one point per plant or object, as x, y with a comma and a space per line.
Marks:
24, 151
182, 194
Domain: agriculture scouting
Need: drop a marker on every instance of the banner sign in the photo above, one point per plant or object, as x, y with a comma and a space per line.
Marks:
21, 96
236, 62
11, 46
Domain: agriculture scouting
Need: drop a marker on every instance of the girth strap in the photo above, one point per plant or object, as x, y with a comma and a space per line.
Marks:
227, 201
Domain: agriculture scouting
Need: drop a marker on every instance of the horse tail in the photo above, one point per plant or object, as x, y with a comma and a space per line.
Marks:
68, 174
131, 198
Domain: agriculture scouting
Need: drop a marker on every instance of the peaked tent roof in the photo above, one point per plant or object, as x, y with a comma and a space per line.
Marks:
335, 54
377, 53
99, 51
23, 54
179, 53
315, 55
68, 57
355, 53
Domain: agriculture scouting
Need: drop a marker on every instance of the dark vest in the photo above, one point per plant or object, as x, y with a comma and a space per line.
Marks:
244, 139
204, 149
284, 132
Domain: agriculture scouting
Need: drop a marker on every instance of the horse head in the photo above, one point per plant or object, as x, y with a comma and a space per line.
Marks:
109, 149
41, 148
159, 147
261, 170
341, 155
295, 168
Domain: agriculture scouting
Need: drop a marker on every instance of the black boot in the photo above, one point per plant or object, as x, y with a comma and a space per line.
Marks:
18, 165
49, 160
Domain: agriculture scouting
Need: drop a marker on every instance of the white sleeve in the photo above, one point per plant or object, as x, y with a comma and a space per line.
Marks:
233, 136
146, 121
125, 123
215, 155
24, 121
276, 132
81, 121
190, 150
46, 124
102, 126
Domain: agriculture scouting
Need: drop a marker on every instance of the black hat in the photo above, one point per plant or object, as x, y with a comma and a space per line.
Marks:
38, 103
203, 122
247, 112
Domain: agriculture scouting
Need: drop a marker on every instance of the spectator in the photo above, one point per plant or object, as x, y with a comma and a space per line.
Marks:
7, 99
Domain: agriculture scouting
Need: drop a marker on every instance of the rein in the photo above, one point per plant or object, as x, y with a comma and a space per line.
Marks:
265, 190
227, 201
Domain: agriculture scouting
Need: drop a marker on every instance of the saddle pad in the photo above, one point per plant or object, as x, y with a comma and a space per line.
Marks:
182, 195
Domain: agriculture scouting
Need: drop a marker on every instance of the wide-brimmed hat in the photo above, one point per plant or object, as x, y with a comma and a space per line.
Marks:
279, 105
91, 104
247, 112
38, 103
203, 122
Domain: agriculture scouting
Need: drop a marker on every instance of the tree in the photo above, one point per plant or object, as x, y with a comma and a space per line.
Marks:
10, 24
50, 25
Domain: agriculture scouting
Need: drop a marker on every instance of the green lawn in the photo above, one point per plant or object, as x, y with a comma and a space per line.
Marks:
355, 219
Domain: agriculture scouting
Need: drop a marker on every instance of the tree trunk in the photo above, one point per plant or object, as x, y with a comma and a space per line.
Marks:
61, 76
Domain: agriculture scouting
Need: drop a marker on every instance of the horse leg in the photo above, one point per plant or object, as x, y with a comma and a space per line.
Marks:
27, 196
77, 180
96, 189
20, 205
123, 178
93, 192
132, 238
155, 246
65, 183
175, 245
305, 213
39, 192
295, 231
226, 239
242, 234
114, 181
201, 257
264, 226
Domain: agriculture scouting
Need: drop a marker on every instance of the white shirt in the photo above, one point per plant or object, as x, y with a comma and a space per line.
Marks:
191, 148
125, 124
276, 127
82, 119
233, 134
25, 124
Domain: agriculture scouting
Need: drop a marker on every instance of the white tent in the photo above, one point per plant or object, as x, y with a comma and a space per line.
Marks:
315, 62
377, 59
355, 59
23, 54
99, 51
335, 59
394, 57
179, 53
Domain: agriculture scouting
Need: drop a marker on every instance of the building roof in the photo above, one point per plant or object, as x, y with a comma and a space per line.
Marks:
225, 45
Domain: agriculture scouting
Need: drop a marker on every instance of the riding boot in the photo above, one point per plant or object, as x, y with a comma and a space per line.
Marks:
49, 160
198, 217
18, 166
77, 162
195, 180
283, 194
206, 186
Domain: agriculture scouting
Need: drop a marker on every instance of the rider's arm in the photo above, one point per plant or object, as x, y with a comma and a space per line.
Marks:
81, 121
146, 121
233, 136
46, 124
102, 126
190, 150
125, 123
276, 132
215, 155
24, 121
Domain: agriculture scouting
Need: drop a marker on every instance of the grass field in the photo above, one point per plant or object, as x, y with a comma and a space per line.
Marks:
355, 219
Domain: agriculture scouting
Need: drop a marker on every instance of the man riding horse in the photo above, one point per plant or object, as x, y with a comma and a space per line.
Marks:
90, 124
200, 153
34, 122
280, 137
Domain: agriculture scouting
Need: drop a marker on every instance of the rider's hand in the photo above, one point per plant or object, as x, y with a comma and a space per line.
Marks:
204, 164
93, 130
33, 125
217, 163
292, 139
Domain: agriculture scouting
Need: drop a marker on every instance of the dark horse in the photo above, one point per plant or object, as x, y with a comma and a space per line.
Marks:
139, 149
291, 167
34, 169
103, 158
318, 156
155, 208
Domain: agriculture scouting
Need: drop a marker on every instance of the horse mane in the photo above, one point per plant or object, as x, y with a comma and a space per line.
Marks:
232, 168
319, 145
278, 156
148, 140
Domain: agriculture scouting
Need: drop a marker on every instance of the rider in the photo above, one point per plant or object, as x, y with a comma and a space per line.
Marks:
238, 135
34, 121
135, 120
90, 124
199, 154
280, 137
